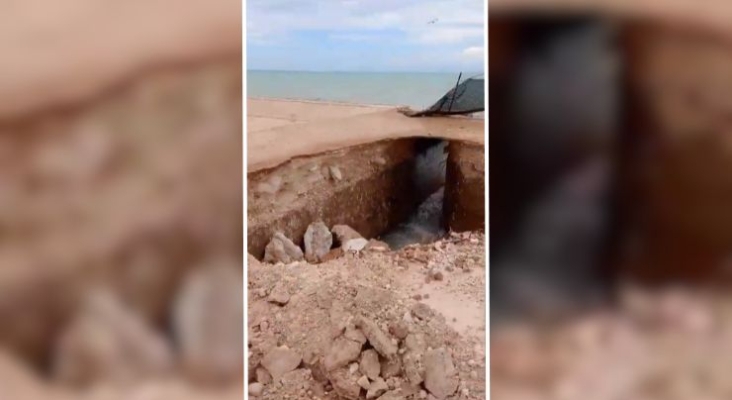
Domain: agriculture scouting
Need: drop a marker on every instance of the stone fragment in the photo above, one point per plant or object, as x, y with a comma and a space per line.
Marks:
344, 233
440, 376
399, 329
262, 376
335, 172
318, 241
377, 387
355, 245
341, 353
353, 368
281, 249
279, 361
415, 343
363, 381
279, 294
378, 339
421, 311
355, 334
390, 368
108, 342
345, 384
369, 364
207, 322
255, 389
412, 369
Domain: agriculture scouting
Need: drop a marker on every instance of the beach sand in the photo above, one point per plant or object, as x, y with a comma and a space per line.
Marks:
278, 130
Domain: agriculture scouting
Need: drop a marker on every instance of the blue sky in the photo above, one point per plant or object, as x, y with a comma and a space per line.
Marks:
366, 35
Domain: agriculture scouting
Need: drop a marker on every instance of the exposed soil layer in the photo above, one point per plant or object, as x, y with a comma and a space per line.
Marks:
367, 187
465, 187
679, 122
372, 188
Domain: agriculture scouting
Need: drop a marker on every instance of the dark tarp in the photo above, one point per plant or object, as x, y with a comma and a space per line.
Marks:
467, 98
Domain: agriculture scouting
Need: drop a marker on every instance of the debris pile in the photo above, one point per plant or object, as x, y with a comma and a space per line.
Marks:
349, 330
318, 244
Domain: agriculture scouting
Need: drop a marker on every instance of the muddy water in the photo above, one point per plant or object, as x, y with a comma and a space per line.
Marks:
425, 224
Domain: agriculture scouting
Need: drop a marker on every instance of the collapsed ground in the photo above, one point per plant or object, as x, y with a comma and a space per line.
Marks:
360, 292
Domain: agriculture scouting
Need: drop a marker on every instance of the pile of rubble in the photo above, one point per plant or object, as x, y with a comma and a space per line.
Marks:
109, 342
349, 330
318, 241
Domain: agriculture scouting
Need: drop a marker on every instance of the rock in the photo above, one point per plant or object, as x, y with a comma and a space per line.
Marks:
281, 249
207, 322
344, 384
255, 389
390, 368
369, 364
279, 294
262, 376
341, 353
344, 233
355, 334
421, 311
318, 241
353, 368
335, 172
377, 387
415, 343
317, 370
378, 339
355, 245
108, 342
440, 376
436, 275
399, 329
412, 369
280, 361
363, 381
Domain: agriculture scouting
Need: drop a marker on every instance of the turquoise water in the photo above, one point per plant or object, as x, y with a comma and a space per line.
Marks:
417, 90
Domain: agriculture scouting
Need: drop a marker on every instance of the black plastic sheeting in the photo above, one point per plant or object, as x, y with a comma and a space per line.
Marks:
466, 98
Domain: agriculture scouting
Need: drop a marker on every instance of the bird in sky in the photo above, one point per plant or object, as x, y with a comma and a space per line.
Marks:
432, 22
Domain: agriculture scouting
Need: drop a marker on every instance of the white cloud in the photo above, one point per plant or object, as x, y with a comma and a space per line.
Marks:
450, 35
458, 21
474, 52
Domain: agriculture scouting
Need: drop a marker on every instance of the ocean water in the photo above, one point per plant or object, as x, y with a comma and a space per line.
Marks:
415, 89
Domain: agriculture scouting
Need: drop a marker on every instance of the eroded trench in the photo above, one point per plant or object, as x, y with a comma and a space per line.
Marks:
604, 146
401, 192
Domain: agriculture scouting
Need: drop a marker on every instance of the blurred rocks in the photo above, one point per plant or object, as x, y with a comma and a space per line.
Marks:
344, 233
282, 249
108, 342
207, 320
318, 241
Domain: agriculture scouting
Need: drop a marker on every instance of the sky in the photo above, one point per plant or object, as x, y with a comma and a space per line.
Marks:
366, 35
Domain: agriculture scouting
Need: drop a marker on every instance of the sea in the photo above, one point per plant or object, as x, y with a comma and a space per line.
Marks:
414, 89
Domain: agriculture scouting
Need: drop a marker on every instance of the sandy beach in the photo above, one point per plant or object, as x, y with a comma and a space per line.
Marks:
278, 130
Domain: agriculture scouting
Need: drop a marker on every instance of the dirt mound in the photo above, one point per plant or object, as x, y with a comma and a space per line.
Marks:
353, 327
